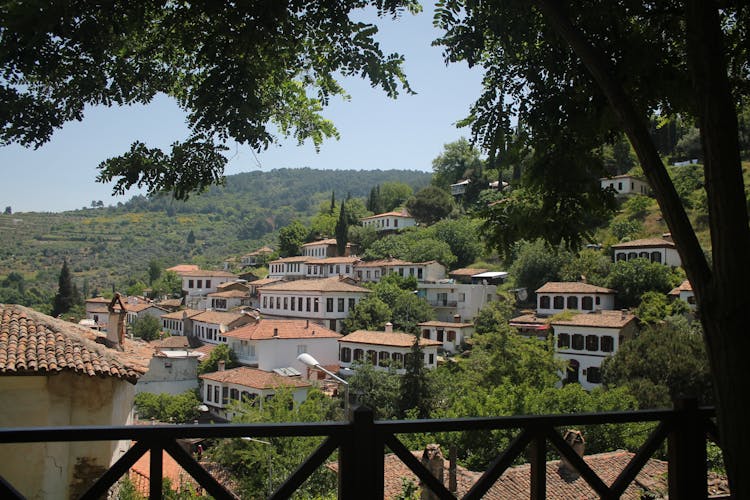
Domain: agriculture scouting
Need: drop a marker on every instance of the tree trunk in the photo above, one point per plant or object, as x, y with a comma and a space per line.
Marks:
722, 291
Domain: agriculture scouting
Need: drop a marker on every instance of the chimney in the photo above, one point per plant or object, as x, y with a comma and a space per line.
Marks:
389, 327
456, 318
575, 439
222, 365
432, 460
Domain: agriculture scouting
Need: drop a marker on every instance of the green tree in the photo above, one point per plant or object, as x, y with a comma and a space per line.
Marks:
458, 159
414, 389
370, 313
168, 284
280, 84
376, 389
413, 245
393, 194
342, 231
221, 352
655, 307
374, 201
147, 327
429, 205
178, 408
662, 363
497, 312
635, 277
623, 228
590, 264
291, 238
191, 238
537, 263
65, 298
461, 237
154, 271
576, 82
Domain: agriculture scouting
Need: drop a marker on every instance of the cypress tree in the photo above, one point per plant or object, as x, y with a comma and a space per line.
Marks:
333, 202
414, 391
342, 230
65, 297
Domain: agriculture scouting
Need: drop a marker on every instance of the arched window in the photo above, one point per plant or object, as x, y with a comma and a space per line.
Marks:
632, 255
558, 302
572, 302
643, 255
656, 257
563, 341
572, 375
587, 304
594, 375
234, 394
544, 302
358, 354
607, 343
621, 256
397, 360
577, 342
346, 355
372, 357
592, 342
383, 358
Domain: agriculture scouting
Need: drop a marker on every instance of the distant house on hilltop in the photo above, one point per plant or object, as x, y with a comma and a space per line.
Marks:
389, 221
626, 185
659, 250
256, 257
557, 296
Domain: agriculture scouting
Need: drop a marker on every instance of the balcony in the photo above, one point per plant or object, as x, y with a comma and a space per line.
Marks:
361, 444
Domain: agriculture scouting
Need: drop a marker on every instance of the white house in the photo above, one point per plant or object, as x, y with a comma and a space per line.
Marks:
654, 249
324, 248
210, 326
450, 299
137, 310
684, 292
326, 301
171, 371
530, 325
178, 322
68, 380
222, 388
389, 221
383, 349
586, 339
275, 343
227, 300
330, 266
374, 270
557, 296
451, 335
97, 311
460, 187
256, 257
198, 283
288, 268
626, 185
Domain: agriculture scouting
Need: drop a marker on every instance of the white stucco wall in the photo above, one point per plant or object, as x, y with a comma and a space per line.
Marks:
48, 470
169, 375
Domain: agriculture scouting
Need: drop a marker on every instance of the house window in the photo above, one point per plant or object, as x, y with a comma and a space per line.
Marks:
544, 302
395, 222
632, 255
451, 336
656, 257
573, 302
338, 269
621, 256
425, 334
383, 358
619, 186
572, 375
558, 302
286, 303
278, 302
190, 283
587, 303
329, 304
439, 336
270, 305
598, 300
577, 342
462, 297
225, 395
234, 394
316, 304
372, 357
209, 390
308, 305
346, 355
217, 394
377, 274
301, 349
351, 304
294, 304
208, 283
594, 375
563, 341
348, 270
299, 303
592, 342
397, 360
643, 255
608, 343
368, 275
341, 305
419, 273
200, 283
431, 359
358, 354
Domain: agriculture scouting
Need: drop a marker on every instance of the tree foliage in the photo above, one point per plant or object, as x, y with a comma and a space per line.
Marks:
146, 327
291, 238
221, 352
66, 296
429, 205
126, 53
635, 277
179, 408
458, 160
536, 263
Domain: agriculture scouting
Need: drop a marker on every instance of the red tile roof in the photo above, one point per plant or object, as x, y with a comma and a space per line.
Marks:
329, 241
219, 317
99, 300
446, 324
204, 273
646, 243
393, 339
685, 286
572, 287
403, 213
32, 343
284, 328
603, 319
467, 271
178, 477
231, 294
172, 342
181, 314
334, 260
252, 377
264, 281
181, 268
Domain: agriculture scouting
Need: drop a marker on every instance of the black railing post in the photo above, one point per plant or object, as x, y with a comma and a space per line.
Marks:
687, 453
156, 472
361, 459
538, 460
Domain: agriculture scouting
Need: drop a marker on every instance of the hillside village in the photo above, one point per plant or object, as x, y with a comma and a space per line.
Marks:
228, 340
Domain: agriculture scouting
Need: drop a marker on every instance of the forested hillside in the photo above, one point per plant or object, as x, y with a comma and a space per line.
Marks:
107, 246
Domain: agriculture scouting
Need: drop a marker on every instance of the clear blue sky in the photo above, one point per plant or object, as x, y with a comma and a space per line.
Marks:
376, 132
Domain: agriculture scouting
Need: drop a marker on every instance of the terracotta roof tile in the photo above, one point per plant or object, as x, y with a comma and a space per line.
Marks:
231, 294
219, 317
285, 329
446, 324
604, 319
572, 287
32, 343
178, 477
685, 286
646, 243
334, 260
393, 339
329, 241
467, 271
403, 213
181, 314
181, 268
252, 377
333, 284
202, 272
295, 258
172, 342
264, 281
100, 300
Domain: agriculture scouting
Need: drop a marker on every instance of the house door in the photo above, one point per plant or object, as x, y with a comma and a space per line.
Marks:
332, 324
573, 369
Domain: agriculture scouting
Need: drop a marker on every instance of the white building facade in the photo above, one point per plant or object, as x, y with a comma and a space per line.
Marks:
389, 221
626, 185
383, 350
555, 297
653, 249
451, 335
450, 299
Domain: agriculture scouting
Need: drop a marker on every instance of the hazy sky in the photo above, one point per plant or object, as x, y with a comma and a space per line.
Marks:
376, 132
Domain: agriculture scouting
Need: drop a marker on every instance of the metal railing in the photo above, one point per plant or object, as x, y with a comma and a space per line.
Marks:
363, 442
